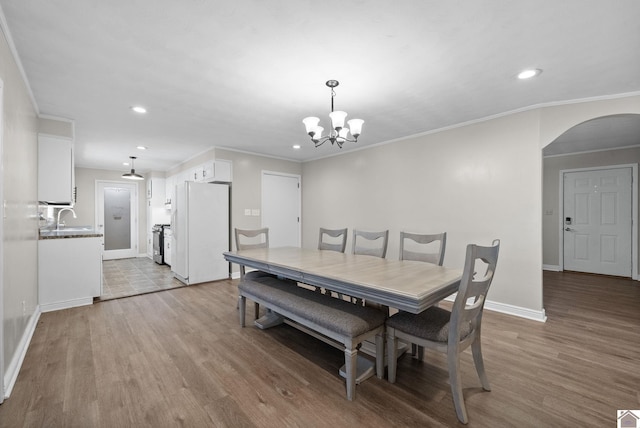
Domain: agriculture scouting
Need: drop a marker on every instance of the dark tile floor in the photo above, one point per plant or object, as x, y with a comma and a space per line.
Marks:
129, 277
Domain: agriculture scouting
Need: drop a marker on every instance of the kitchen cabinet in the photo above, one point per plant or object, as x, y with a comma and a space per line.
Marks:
55, 170
69, 272
170, 185
212, 171
157, 212
223, 170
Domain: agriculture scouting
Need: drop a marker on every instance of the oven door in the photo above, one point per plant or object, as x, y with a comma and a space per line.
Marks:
157, 246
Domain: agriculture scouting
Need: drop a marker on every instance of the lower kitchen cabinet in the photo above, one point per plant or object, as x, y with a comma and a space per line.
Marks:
69, 272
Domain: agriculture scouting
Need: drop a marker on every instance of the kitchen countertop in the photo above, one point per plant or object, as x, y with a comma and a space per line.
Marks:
69, 233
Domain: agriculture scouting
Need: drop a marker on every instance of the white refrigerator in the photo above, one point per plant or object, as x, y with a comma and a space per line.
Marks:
200, 232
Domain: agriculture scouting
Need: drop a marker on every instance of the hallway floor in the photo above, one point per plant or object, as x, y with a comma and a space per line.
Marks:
130, 277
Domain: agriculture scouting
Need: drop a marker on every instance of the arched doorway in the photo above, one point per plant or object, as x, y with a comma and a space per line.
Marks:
601, 143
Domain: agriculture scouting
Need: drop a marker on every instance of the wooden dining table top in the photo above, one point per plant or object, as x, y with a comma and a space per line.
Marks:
407, 285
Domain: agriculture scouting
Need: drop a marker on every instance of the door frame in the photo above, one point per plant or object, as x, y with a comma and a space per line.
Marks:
634, 212
262, 198
135, 221
2, 382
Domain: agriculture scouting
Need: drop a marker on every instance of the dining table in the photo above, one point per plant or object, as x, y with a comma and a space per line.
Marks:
405, 285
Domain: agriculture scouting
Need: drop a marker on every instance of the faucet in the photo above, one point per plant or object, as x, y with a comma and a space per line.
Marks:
60, 212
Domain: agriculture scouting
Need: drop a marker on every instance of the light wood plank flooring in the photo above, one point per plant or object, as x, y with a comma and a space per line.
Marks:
179, 358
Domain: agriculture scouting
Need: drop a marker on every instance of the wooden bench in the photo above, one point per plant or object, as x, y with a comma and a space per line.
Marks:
337, 322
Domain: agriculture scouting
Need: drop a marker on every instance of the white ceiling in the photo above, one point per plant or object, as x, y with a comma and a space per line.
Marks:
242, 74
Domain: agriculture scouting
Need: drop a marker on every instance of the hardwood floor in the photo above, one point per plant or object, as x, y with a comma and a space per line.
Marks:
179, 358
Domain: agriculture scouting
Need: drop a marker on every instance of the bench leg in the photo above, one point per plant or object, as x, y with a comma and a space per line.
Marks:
350, 359
242, 307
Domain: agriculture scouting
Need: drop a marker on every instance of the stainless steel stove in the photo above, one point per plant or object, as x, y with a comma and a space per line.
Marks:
158, 242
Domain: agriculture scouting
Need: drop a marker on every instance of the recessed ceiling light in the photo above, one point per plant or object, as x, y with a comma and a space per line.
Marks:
139, 109
125, 163
528, 74
141, 148
296, 146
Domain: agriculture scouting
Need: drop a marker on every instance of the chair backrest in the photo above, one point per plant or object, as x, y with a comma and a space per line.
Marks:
255, 240
436, 258
378, 251
469, 303
334, 233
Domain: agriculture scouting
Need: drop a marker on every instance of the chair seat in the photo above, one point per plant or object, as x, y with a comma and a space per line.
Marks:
431, 324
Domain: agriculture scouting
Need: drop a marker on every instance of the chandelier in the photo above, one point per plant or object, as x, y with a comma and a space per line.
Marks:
338, 133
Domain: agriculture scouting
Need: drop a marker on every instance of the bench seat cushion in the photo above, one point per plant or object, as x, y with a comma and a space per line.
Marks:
333, 314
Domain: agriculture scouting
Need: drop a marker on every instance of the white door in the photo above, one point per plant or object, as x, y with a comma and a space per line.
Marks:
281, 208
597, 221
117, 218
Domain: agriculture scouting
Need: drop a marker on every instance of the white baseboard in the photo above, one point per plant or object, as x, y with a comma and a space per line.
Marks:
235, 275
11, 374
66, 304
518, 311
553, 268
505, 308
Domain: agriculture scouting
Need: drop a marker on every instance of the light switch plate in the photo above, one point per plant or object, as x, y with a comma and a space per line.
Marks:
247, 211
255, 212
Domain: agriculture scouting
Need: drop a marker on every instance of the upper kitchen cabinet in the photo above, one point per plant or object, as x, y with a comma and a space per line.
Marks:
212, 171
222, 171
55, 170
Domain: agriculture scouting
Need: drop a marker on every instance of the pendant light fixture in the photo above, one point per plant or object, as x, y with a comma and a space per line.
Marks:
338, 133
132, 175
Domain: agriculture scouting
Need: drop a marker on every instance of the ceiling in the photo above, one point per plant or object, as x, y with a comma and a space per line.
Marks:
242, 74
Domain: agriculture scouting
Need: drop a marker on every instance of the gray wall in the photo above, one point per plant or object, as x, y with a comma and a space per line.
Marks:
246, 189
475, 182
551, 191
20, 225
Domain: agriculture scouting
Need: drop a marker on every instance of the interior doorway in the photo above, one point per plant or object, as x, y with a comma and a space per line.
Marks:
117, 218
281, 207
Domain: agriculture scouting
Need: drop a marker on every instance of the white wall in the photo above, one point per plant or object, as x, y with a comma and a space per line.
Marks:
20, 239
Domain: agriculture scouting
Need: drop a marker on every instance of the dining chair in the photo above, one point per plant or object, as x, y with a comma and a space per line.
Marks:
417, 241
339, 243
370, 238
369, 244
424, 241
247, 239
452, 331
